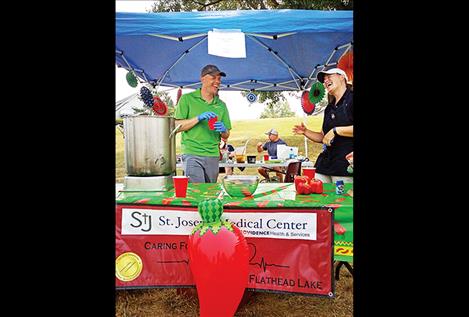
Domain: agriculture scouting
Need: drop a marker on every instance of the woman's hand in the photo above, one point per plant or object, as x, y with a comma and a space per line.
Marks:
328, 138
299, 129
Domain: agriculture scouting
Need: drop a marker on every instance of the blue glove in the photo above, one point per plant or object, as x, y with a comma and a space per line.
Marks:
206, 115
219, 127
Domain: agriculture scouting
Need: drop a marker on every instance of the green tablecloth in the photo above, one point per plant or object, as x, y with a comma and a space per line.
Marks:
267, 195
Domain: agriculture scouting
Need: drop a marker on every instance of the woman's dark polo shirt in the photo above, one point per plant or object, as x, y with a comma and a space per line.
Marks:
332, 160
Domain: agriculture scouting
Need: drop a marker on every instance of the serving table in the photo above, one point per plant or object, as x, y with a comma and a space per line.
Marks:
293, 239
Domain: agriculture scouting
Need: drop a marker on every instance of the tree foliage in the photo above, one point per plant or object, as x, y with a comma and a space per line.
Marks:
277, 110
216, 5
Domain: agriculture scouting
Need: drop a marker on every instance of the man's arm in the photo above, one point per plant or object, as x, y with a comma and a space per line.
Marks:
187, 123
260, 147
225, 135
182, 112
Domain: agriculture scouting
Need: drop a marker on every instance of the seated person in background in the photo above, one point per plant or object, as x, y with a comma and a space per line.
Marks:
271, 148
230, 153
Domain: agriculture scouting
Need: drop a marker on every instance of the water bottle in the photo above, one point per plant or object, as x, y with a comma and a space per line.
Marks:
339, 187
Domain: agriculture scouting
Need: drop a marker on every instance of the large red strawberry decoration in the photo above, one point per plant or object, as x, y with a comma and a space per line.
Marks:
218, 258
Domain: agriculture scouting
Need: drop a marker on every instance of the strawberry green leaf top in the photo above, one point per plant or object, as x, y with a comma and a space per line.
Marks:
211, 210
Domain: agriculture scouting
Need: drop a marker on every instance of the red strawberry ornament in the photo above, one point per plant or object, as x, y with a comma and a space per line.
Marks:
218, 258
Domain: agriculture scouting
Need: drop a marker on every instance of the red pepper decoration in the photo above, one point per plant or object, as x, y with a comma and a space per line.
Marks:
339, 229
300, 180
218, 258
317, 186
305, 186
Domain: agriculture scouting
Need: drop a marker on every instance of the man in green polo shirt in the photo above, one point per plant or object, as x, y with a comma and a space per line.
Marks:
200, 144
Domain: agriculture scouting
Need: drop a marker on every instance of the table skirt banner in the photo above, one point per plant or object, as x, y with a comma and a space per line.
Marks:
290, 249
267, 195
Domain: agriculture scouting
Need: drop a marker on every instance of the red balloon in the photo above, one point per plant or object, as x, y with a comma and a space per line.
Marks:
306, 104
219, 263
346, 64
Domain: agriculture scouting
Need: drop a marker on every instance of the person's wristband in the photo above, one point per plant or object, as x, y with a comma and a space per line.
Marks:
335, 131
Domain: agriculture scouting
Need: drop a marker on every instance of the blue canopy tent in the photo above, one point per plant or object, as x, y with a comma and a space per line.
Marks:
285, 49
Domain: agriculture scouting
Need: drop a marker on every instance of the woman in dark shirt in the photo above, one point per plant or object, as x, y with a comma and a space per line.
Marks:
337, 128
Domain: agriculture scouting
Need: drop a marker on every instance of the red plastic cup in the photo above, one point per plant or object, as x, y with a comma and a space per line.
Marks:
266, 157
309, 171
180, 185
211, 123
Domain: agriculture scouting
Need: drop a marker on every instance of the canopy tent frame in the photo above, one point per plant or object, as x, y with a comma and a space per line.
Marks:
347, 47
158, 83
295, 76
156, 46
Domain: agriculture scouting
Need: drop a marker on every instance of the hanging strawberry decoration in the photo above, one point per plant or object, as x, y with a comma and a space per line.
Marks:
179, 95
159, 107
317, 92
218, 258
308, 106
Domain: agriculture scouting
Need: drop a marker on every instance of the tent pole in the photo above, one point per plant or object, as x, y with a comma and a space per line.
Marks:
305, 139
134, 70
179, 39
310, 77
178, 60
291, 70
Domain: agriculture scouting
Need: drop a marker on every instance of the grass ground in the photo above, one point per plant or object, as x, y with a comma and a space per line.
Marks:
169, 303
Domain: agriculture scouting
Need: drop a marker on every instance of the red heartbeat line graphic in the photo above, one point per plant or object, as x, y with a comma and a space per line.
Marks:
263, 264
174, 262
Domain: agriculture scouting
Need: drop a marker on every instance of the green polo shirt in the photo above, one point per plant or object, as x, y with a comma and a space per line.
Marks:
200, 140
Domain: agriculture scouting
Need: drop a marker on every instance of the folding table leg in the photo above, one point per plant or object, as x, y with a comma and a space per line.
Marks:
337, 270
339, 265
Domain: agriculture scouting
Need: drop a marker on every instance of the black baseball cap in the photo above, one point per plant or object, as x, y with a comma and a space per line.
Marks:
212, 70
